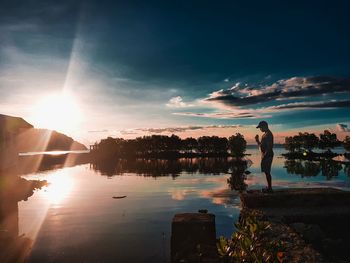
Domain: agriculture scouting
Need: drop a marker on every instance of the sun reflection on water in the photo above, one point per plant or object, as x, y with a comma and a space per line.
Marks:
60, 186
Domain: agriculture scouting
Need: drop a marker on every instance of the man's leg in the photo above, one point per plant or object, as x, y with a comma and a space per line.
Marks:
269, 180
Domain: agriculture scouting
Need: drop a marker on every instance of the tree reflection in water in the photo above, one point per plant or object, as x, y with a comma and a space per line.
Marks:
160, 167
306, 168
302, 167
238, 175
347, 169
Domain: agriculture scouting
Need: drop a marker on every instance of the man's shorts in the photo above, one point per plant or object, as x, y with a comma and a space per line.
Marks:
266, 163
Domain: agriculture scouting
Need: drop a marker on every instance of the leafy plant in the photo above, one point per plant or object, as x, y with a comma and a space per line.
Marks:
248, 244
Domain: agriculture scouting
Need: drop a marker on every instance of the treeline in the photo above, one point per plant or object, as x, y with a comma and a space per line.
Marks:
305, 143
161, 146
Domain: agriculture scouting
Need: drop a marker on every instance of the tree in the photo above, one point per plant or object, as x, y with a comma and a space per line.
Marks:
237, 145
293, 143
173, 143
189, 145
204, 144
219, 145
308, 140
346, 143
108, 147
328, 140
289, 144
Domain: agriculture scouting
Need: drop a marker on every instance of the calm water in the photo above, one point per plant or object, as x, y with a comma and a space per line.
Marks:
75, 218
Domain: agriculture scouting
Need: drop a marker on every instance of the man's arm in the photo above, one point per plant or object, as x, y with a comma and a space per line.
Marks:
257, 140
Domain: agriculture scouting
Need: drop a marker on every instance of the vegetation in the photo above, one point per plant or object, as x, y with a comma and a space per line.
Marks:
346, 143
237, 145
160, 146
302, 145
328, 140
248, 244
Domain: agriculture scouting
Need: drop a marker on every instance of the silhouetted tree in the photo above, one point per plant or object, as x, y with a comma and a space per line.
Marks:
173, 143
328, 140
293, 143
220, 145
289, 144
308, 140
346, 143
189, 145
108, 148
211, 144
237, 145
159, 146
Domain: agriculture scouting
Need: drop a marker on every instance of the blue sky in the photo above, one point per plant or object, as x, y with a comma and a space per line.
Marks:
199, 67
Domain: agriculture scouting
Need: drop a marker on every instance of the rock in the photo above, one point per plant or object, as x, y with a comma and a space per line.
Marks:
193, 234
119, 197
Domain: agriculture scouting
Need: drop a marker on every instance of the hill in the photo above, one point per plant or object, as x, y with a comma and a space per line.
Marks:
15, 132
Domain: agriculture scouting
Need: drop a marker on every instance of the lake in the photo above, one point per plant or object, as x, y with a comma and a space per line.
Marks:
76, 219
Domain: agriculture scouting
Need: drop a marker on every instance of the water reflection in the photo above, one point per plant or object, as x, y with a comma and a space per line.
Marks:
60, 185
76, 211
306, 168
347, 169
157, 167
28, 164
14, 248
302, 167
238, 176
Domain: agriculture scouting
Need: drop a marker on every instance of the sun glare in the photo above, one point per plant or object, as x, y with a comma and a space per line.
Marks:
60, 185
57, 112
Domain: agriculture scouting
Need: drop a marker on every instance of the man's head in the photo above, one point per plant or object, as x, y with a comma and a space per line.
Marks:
263, 126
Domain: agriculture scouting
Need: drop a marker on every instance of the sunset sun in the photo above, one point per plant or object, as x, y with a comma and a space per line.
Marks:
59, 112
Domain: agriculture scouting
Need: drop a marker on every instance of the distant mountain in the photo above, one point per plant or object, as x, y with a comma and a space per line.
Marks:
16, 132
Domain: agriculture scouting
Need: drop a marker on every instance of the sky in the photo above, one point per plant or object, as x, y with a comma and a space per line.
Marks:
94, 69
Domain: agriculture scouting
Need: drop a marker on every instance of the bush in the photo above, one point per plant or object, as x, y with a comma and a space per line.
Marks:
247, 244
237, 145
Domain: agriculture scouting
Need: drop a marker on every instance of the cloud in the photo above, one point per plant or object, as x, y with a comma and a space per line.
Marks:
98, 131
177, 102
128, 132
186, 128
223, 115
296, 87
318, 105
242, 101
342, 127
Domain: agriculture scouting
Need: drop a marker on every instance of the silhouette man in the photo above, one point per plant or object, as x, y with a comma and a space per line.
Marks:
266, 145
